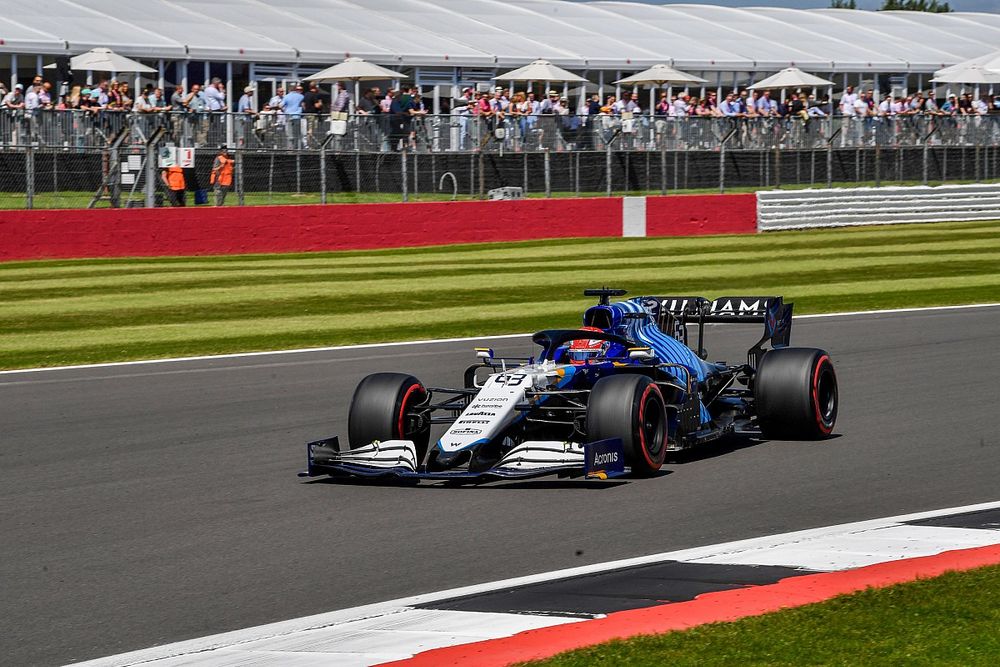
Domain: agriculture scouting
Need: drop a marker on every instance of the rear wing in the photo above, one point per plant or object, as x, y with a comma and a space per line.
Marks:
771, 311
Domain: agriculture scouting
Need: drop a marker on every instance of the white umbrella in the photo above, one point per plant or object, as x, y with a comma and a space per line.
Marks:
967, 73
791, 77
356, 69
105, 60
989, 61
659, 75
540, 70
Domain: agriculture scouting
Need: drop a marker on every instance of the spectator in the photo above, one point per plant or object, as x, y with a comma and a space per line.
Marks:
221, 177
550, 105
293, 112
245, 104
765, 105
215, 95
682, 106
730, 107
368, 104
312, 102
633, 106
277, 102
847, 102
31, 99
14, 99
143, 102
662, 106
101, 94
982, 106
341, 99
125, 100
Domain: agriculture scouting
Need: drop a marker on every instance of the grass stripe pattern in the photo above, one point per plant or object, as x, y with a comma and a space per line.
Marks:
84, 311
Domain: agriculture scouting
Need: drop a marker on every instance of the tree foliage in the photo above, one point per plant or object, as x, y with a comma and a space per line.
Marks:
933, 6
843, 4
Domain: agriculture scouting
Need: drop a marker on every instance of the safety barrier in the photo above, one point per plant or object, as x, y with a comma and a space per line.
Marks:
800, 209
263, 229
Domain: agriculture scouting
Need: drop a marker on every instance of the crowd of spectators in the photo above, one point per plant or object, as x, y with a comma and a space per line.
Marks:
296, 117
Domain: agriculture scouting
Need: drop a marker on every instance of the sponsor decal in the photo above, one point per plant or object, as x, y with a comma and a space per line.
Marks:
492, 399
605, 458
481, 413
474, 421
466, 431
737, 305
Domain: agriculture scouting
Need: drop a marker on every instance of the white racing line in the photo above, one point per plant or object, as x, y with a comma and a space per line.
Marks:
397, 629
367, 346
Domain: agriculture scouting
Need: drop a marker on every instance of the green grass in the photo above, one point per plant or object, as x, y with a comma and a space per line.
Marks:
78, 199
948, 620
82, 311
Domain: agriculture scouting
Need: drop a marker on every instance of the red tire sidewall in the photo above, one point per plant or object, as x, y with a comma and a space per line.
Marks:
824, 361
652, 464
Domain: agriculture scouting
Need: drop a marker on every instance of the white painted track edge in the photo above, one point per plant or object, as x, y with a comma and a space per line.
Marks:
280, 628
432, 341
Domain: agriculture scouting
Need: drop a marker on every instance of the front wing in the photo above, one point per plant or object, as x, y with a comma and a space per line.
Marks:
602, 459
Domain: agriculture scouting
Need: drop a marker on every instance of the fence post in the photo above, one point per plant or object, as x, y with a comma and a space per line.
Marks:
406, 194
878, 165
240, 190
482, 175
548, 175
607, 168
29, 175
152, 162
722, 160
663, 170
322, 173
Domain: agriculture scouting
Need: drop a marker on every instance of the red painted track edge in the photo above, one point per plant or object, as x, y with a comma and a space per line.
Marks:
708, 608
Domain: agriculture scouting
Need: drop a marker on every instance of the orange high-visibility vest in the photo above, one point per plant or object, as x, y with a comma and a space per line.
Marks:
175, 178
224, 174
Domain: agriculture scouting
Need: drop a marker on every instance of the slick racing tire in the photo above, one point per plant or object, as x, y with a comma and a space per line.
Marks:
382, 409
795, 394
632, 408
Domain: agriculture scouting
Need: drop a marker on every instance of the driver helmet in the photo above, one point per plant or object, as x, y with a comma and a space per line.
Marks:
583, 349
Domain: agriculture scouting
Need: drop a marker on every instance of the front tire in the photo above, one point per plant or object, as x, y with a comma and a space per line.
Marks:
795, 394
383, 409
630, 407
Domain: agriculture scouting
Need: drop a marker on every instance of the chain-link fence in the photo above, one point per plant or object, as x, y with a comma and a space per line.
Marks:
69, 160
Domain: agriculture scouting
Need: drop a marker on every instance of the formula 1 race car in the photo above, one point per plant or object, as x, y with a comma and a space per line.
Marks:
608, 399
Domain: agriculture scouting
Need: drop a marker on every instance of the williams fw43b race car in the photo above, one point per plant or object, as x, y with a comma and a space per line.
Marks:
611, 398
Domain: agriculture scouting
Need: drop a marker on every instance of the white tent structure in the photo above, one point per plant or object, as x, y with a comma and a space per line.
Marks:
464, 42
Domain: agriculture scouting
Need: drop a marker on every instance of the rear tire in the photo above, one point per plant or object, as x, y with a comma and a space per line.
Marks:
382, 409
795, 394
630, 407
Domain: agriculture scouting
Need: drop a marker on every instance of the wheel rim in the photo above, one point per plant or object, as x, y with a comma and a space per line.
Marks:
825, 395
413, 396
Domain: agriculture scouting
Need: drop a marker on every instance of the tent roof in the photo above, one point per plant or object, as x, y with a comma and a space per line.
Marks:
502, 34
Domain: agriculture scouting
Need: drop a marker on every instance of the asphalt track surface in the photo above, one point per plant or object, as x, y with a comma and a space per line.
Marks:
145, 504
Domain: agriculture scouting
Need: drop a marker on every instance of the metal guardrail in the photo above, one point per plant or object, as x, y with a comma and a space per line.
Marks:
841, 207
465, 133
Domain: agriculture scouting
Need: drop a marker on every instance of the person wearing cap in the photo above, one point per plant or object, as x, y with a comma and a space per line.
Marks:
550, 105
245, 104
293, 112
221, 177
14, 99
